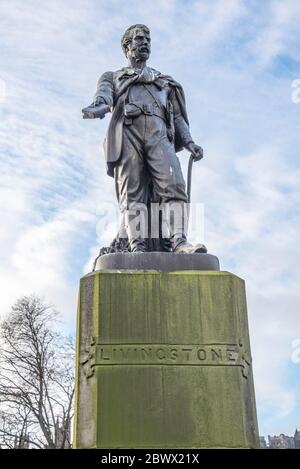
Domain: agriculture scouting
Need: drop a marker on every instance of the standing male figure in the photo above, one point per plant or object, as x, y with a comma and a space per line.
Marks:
148, 125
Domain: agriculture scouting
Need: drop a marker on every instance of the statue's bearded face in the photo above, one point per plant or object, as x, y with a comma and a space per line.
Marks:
140, 46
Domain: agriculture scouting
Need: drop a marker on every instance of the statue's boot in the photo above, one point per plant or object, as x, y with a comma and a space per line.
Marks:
136, 237
181, 245
178, 225
138, 245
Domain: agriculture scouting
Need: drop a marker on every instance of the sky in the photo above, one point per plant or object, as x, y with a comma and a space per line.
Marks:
239, 62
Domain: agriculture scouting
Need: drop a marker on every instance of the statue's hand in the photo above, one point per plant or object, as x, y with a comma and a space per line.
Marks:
97, 101
196, 151
93, 111
87, 114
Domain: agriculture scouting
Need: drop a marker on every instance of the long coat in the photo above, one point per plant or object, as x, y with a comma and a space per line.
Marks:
112, 88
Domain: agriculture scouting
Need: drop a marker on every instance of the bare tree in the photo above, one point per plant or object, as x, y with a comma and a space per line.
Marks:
36, 378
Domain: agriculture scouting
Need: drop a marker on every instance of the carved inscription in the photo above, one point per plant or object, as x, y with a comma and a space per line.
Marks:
154, 354
100, 354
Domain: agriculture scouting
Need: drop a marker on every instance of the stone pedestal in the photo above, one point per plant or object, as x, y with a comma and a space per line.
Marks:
163, 361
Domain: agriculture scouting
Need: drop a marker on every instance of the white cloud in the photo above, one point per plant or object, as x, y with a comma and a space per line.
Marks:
280, 32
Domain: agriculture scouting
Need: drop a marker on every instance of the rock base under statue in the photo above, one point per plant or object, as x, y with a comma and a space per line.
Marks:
163, 261
163, 361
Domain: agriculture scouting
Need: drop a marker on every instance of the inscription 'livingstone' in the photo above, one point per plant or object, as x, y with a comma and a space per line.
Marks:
166, 354
159, 353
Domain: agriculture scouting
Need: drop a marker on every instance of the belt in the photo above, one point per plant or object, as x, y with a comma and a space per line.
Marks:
134, 110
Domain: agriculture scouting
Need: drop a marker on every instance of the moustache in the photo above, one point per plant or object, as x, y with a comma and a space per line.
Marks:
143, 49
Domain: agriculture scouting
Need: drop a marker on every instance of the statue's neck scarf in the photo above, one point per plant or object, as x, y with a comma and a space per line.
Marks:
147, 75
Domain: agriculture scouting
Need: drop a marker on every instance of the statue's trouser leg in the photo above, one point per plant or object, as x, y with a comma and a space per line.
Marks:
166, 175
147, 154
132, 187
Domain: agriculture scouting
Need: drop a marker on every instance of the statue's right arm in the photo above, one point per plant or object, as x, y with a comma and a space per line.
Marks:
105, 90
103, 99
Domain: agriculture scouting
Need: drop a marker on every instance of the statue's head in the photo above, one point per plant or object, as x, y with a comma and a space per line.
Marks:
136, 42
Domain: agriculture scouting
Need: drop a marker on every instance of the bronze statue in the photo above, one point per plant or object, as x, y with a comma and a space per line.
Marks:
149, 124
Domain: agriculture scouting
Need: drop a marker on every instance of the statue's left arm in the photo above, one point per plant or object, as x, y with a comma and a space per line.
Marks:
181, 124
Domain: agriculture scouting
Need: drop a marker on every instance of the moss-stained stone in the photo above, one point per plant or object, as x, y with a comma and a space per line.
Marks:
163, 361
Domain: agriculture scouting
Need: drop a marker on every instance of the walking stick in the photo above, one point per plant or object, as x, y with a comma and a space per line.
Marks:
189, 177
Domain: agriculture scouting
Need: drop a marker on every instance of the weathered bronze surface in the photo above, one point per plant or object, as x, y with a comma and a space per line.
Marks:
149, 124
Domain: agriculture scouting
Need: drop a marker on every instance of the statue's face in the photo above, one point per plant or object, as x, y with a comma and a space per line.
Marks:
140, 46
